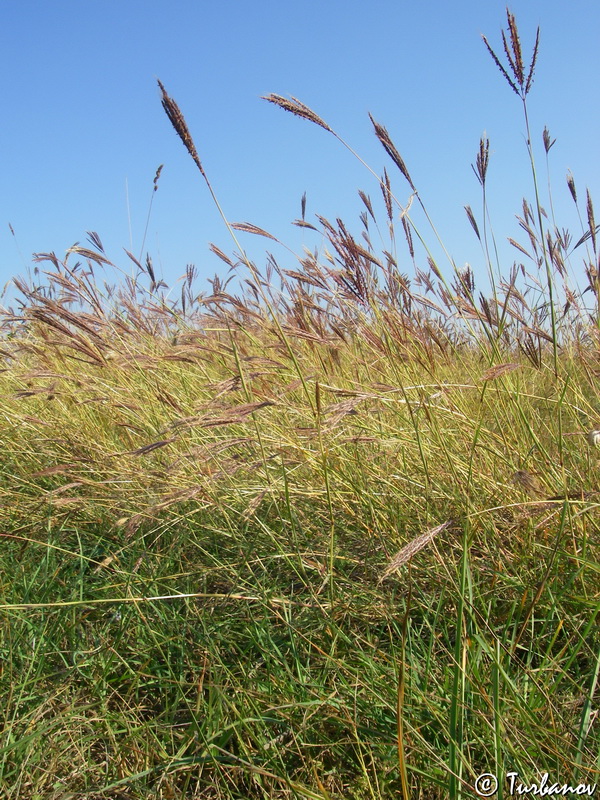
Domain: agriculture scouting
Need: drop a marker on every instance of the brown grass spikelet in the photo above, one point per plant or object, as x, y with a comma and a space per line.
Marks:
294, 106
177, 120
590, 216
518, 82
57, 469
533, 60
500, 66
516, 61
571, 185
300, 223
483, 159
89, 255
434, 268
548, 140
248, 227
95, 240
412, 548
391, 150
473, 221
408, 235
519, 247
367, 202
157, 176
499, 369
148, 448
218, 252
387, 195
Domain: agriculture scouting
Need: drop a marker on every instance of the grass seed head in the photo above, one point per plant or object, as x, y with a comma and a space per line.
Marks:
591, 220
519, 83
294, 106
391, 150
177, 120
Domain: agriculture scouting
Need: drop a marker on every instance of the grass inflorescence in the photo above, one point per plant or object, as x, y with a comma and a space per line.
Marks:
335, 536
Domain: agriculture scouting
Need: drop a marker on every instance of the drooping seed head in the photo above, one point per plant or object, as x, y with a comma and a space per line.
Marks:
177, 120
391, 150
294, 106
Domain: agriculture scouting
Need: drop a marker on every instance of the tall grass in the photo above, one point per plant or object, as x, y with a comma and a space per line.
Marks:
335, 536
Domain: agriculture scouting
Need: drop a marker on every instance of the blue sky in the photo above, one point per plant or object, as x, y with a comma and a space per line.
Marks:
83, 128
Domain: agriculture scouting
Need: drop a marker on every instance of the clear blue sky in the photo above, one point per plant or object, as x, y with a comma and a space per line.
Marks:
82, 119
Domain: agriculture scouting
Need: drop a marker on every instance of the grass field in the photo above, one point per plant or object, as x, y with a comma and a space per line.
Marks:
333, 537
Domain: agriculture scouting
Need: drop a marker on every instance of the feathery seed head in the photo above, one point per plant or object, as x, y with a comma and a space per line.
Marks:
391, 150
519, 82
177, 120
294, 106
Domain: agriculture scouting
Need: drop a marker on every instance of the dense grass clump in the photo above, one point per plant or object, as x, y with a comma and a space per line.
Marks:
333, 537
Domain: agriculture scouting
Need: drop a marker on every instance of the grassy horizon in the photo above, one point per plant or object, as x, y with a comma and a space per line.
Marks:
335, 536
